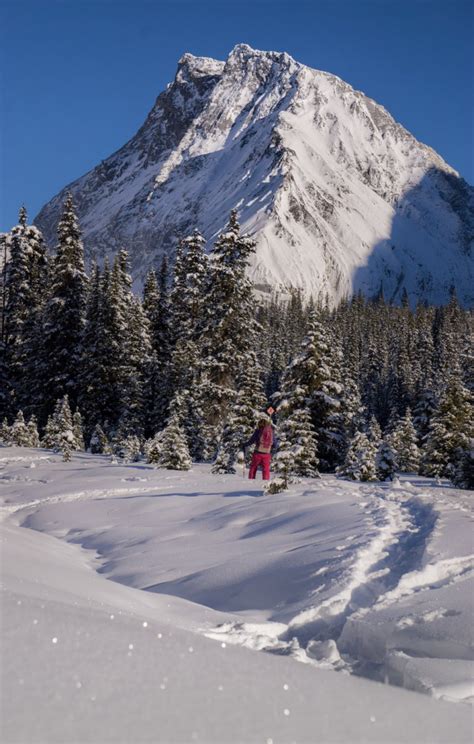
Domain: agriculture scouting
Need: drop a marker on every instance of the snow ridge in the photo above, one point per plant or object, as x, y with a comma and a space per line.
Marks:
338, 195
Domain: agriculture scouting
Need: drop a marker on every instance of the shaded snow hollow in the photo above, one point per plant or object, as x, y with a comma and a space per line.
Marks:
134, 606
338, 196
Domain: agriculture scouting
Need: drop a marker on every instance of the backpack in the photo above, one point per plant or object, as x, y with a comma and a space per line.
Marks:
266, 439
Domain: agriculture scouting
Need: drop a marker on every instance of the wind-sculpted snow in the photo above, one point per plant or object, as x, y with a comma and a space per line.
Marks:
338, 195
125, 604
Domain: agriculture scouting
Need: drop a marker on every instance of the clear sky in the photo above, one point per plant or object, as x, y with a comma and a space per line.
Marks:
79, 76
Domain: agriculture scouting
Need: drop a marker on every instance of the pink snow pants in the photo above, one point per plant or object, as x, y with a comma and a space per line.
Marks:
260, 459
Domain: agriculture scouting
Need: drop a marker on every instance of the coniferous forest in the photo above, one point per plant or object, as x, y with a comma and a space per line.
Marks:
180, 374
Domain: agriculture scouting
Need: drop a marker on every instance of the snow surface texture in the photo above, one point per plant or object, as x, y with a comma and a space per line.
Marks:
361, 578
338, 195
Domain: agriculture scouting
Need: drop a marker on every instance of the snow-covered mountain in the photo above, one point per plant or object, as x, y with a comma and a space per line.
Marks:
338, 195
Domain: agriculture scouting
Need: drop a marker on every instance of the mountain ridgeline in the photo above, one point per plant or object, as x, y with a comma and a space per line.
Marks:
338, 196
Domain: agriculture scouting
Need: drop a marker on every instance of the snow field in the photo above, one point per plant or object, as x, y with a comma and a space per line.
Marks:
342, 576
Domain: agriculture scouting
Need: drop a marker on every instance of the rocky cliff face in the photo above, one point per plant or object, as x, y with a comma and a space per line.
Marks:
338, 195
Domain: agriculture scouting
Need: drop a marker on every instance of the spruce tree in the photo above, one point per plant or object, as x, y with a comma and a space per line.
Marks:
404, 441
374, 431
64, 314
451, 429
59, 430
48, 440
136, 360
5, 433
99, 444
78, 432
19, 431
359, 463
425, 406
128, 448
226, 332
153, 449
33, 435
243, 417
316, 370
24, 285
173, 447
96, 398
385, 461
463, 466
161, 348
298, 446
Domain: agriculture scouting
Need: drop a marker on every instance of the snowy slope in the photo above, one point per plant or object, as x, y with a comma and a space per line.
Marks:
364, 579
338, 195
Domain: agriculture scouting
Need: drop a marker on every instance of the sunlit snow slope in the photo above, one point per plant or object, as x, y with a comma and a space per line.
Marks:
338, 195
147, 605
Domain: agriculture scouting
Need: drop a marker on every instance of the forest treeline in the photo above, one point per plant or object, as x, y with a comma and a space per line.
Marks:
182, 372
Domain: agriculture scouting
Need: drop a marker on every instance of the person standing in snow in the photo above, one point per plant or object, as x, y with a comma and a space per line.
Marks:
264, 439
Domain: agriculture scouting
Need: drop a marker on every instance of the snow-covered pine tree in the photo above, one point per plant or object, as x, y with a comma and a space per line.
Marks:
33, 435
352, 408
403, 439
371, 377
188, 302
385, 461
451, 429
59, 431
19, 431
298, 446
227, 331
448, 330
374, 432
359, 463
64, 428
154, 381
150, 296
316, 369
467, 358
48, 440
99, 444
246, 411
129, 448
116, 353
463, 466
152, 449
273, 351
5, 433
160, 362
64, 314
78, 431
172, 452
95, 388
426, 404
137, 355
24, 284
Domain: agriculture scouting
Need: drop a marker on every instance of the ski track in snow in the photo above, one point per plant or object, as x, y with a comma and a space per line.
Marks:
382, 573
384, 570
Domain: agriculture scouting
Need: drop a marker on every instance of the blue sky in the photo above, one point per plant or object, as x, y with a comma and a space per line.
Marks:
79, 76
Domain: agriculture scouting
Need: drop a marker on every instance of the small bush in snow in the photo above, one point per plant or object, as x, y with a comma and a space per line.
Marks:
276, 485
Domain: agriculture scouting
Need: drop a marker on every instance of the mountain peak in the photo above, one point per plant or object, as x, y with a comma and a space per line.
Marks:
338, 196
190, 65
